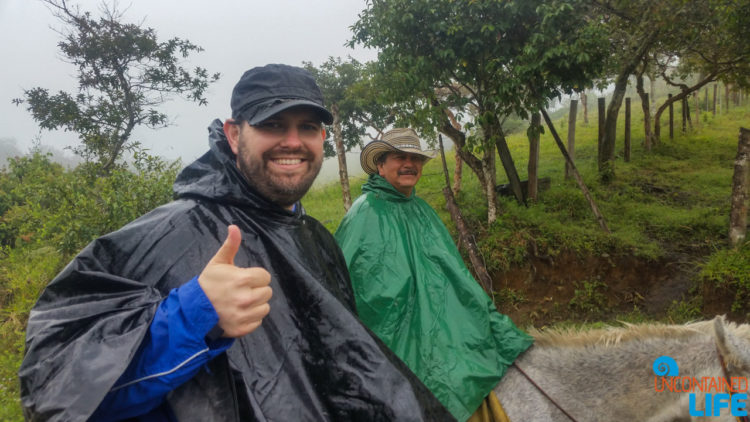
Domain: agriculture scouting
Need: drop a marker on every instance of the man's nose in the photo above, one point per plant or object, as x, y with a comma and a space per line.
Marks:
292, 138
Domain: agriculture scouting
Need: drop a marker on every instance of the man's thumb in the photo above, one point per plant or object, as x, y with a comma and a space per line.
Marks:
225, 254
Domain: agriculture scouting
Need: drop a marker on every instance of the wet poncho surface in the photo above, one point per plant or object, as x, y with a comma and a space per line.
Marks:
310, 360
414, 291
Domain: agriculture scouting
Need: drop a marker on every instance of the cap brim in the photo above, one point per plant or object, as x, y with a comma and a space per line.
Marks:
325, 115
374, 149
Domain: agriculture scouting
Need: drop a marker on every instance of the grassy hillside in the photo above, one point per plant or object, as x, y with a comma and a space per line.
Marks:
668, 210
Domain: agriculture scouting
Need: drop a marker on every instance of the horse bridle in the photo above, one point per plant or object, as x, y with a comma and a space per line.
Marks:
724, 371
544, 393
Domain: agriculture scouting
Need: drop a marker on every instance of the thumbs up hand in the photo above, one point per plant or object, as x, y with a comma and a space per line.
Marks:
239, 295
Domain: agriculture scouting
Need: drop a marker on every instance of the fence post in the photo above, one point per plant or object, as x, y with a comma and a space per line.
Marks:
671, 117
627, 129
571, 136
738, 216
684, 114
601, 129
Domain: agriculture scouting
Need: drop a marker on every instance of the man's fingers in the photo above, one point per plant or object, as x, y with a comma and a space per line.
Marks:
225, 254
256, 276
257, 296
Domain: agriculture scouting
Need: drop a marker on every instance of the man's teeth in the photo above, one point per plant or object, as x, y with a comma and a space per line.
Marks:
287, 161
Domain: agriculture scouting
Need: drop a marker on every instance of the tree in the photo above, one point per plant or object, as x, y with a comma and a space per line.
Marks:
712, 43
124, 73
484, 60
335, 78
634, 28
350, 92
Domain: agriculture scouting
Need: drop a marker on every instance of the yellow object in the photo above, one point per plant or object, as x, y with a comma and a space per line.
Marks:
489, 411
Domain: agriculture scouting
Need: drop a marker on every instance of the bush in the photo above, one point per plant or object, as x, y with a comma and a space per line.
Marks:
730, 269
48, 214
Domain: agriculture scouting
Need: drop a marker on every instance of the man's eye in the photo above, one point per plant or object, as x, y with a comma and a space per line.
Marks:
309, 127
270, 125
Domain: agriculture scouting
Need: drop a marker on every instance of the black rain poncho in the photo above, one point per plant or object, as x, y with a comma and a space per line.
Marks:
311, 359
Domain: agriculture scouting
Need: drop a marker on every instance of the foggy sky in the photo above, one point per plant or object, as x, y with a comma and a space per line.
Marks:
236, 35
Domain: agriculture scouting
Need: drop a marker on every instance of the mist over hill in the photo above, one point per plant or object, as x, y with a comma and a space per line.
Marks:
9, 149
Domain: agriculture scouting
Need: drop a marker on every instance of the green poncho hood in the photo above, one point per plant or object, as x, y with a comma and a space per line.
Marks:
414, 291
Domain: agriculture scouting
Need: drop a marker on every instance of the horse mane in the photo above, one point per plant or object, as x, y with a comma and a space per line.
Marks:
613, 335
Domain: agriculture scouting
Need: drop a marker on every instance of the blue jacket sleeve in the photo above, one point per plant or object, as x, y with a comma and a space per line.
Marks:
174, 350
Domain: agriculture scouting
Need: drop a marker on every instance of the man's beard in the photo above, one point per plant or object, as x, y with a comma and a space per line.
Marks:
283, 191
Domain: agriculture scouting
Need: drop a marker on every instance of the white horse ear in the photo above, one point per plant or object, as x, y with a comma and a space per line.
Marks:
734, 349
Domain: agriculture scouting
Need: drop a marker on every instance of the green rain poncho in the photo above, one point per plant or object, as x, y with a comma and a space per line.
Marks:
414, 291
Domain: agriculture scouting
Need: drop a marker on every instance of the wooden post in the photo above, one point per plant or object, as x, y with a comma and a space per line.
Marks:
571, 136
533, 166
648, 142
713, 110
738, 216
627, 130
584, 104
697, 109
602, 115
726, 98
684, 114
671, 117
705, 102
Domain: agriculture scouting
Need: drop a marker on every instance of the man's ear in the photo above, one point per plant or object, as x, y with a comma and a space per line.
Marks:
232, 132
323, 132
380, 169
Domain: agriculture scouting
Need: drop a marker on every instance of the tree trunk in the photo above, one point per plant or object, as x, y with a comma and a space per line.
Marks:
459, 142
533, 166
648, 136
457, 174
488, 167
341, 154
510, 168
738, 216
466, 239
607, 159
571, 137
576, 175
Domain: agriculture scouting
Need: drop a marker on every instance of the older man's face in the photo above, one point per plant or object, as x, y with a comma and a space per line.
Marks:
402, 170
281, 156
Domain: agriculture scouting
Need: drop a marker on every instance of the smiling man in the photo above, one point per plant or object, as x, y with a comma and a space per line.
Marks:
413, 289
228, 304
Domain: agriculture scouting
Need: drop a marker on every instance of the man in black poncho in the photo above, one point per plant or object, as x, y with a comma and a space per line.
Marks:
227, 304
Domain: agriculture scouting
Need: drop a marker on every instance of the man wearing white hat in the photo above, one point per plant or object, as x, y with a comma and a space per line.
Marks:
412, 287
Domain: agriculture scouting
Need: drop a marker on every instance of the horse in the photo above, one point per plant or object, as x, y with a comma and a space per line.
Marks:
618, 374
